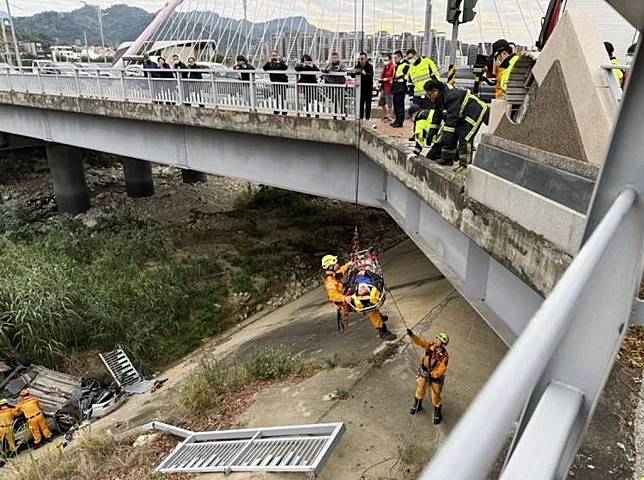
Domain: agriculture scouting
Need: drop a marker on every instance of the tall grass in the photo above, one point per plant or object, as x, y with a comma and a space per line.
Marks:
65, 288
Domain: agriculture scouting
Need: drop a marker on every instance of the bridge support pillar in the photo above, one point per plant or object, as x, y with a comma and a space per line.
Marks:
192, 176
68, 177
138, 178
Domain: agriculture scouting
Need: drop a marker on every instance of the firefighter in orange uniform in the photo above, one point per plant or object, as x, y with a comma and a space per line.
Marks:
7, 414
30, 408
432, 371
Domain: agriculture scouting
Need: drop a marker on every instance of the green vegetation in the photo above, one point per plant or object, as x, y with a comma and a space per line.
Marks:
206, 389
66, 288
342, 394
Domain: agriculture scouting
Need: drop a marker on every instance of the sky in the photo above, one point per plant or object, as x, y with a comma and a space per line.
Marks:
516, 20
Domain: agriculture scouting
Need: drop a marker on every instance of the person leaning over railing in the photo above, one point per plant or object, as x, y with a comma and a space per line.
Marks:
308, 80
242, 64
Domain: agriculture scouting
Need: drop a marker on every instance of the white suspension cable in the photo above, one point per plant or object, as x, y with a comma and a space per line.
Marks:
208, 21
498, 14
525, 22
297, 34
334, 46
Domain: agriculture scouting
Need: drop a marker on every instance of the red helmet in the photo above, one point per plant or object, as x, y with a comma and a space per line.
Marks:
24, 392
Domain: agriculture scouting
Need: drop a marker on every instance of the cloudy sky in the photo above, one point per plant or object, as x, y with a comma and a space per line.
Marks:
517, 20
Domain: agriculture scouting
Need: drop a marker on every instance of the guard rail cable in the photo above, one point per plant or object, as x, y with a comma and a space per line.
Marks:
548, 385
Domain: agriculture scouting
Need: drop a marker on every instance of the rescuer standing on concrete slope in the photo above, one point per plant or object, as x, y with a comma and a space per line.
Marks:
30, 408
7, 414
334, 288
460, 115
432, 371
506, 58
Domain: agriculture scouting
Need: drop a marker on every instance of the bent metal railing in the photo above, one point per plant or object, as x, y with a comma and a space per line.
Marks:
549, 383
223, 89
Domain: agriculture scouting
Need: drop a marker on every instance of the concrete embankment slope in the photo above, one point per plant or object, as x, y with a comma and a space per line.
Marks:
379, 381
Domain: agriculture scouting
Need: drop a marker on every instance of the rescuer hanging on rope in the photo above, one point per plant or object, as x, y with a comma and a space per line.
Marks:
354, 285
431, 372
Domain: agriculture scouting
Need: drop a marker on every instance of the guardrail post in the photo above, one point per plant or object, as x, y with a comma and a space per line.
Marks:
356, 98
78, 90
42, 89
149, 85
98, 83
297, 96
252, 92
179, 88
9, 79
214, 88
122, 80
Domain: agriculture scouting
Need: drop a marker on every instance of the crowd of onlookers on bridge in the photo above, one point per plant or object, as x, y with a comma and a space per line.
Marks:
335, 72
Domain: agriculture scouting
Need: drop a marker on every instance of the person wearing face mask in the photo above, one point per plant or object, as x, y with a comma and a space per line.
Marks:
421, 69
386, 88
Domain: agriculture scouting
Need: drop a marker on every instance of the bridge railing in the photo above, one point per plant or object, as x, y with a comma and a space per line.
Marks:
306, 94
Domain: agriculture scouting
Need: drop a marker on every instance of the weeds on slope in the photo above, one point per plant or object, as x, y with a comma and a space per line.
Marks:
207, 388
66, 288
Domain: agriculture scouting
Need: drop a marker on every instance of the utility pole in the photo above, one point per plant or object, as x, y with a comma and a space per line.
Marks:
99, 12
452, 47
427, 36
13, 34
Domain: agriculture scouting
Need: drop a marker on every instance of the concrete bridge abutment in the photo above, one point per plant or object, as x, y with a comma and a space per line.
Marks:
138, 178
68, 177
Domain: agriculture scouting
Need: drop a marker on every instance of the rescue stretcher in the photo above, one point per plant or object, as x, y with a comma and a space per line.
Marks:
365, 282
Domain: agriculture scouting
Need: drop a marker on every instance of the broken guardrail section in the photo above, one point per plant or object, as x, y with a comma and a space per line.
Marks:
301, 448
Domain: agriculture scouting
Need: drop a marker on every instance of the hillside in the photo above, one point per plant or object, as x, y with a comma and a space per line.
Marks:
123, 23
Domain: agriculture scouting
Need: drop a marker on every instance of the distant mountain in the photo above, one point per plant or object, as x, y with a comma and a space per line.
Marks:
120, 23
123, 23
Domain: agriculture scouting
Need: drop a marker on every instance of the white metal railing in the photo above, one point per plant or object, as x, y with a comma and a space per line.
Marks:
549, 383
615, 88
215, 89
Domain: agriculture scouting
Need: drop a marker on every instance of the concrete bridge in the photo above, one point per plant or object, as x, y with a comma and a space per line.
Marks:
504, 235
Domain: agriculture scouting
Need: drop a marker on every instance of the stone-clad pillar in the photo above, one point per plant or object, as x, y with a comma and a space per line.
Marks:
68, 177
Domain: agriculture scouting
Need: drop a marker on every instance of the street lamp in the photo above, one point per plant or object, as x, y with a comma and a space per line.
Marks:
100, 27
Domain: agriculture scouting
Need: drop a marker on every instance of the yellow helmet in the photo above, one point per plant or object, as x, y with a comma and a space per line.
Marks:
329, 261
443, 337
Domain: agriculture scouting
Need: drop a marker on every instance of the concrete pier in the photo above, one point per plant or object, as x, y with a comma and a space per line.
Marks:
68, 177
192, 176
138, 178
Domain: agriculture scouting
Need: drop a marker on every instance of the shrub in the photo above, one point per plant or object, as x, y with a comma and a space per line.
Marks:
204, 390
270, 363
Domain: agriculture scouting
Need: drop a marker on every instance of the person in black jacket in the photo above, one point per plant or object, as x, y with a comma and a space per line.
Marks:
310, 80
195, 70
242, 64
365, 70
166, 70
458, 116
177, 64
279, 91
399, 89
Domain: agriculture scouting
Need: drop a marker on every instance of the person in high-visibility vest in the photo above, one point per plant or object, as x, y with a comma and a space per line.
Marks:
506, 58
458, 116
423, 128
421, 69
7, 414
29, 406
399, 88
618, 72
